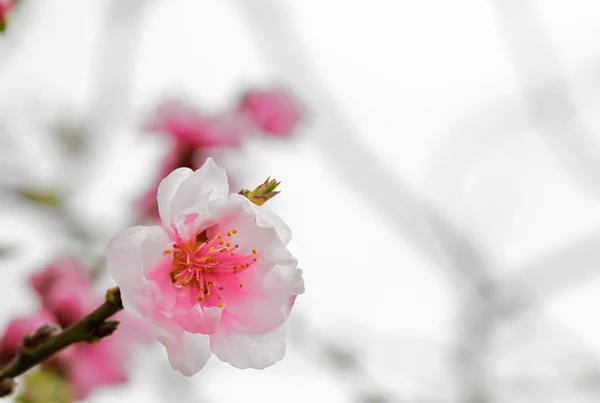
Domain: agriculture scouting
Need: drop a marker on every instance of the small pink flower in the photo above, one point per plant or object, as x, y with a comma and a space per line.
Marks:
17, 329
216, 277
64, 290
190, 128
274, 111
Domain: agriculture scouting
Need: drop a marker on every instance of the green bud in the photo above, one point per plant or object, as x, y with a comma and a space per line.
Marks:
262, 193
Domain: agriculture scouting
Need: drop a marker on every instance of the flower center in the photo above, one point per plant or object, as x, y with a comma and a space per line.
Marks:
209, 265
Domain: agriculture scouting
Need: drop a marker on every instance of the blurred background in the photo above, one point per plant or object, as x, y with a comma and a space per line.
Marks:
442, 181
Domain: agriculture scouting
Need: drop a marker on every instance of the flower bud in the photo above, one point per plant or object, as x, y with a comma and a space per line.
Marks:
262, 193
7, 386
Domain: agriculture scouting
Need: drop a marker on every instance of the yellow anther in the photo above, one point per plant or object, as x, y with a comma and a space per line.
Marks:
228, 233
210, 283
219, 236
208, 294
234, 231
203, 260
254, 251
228, 244
254, 259
212, 248
167, 252
221, 243
220, 305
236, 246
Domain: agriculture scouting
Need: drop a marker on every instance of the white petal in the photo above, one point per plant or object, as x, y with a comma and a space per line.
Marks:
188, 353
130, 255
242, 350
166, 192
203, 185
134, 251
265, 217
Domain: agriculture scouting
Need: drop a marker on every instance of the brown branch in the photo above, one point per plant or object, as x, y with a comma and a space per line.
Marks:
90, 329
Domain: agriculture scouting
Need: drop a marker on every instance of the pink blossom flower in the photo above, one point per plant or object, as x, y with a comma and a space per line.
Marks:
91, 366
64, 290
216, 277
190, 128
87, 367
273, 111
17, 329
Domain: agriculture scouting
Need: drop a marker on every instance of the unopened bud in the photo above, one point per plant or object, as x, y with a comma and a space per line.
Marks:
43, 334
113, 295
262, 193
7, 386
106, 328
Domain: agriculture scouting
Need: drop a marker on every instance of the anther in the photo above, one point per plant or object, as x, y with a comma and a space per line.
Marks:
234, 231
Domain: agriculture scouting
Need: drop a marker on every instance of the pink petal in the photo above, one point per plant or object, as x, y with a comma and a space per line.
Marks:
200, 320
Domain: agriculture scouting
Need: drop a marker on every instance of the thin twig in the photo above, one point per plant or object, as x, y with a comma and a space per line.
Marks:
90, 329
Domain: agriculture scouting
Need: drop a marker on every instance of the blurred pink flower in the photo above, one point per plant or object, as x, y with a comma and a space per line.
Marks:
273, 111
217, 277
91, 366
17, 329
190, 128
64, 290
